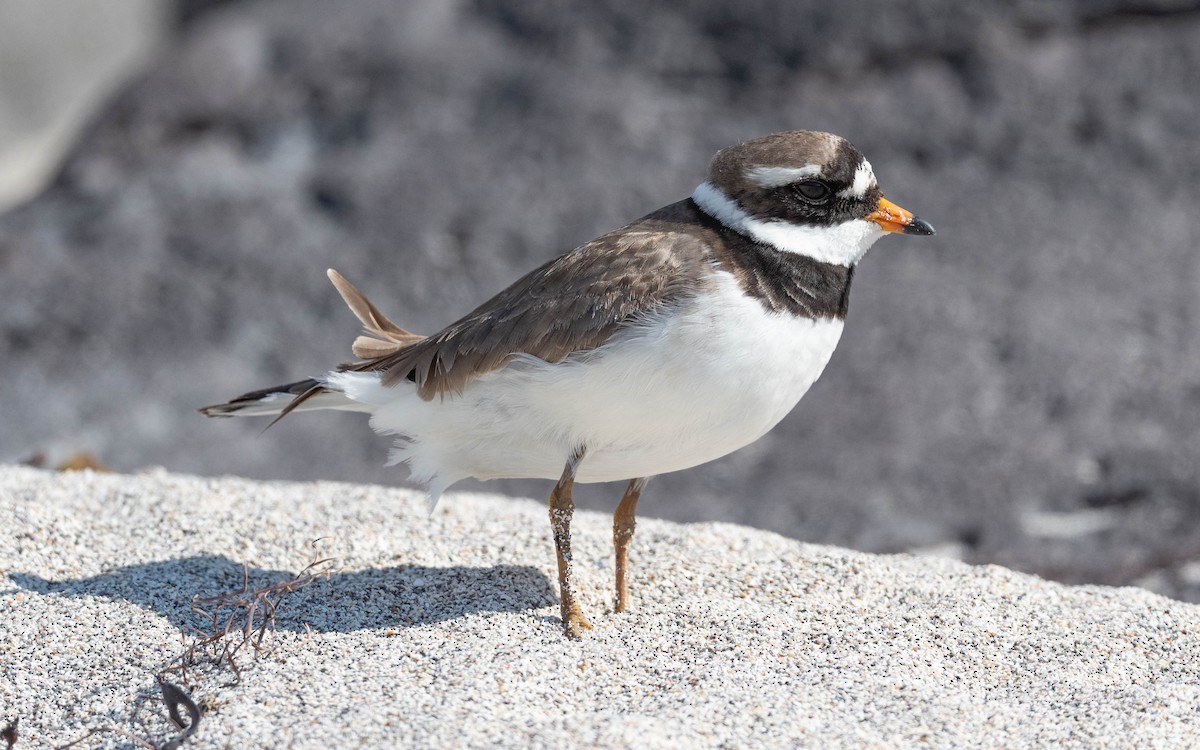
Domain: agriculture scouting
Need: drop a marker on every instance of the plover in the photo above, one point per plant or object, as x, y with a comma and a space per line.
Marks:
665, 344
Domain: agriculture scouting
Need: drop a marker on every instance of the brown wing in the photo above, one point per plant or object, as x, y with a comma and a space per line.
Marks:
571, 304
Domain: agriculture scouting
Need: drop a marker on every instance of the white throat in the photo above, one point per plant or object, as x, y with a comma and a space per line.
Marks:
840, 244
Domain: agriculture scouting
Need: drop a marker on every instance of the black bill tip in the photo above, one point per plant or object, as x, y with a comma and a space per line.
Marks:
919, 226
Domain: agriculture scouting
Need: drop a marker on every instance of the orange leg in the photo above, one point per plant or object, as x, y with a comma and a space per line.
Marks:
623, 525
562, 507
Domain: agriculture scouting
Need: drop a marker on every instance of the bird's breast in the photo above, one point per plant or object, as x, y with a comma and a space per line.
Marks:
692, 384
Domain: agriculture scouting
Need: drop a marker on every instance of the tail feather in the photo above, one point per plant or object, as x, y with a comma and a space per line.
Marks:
303, 395
383, 338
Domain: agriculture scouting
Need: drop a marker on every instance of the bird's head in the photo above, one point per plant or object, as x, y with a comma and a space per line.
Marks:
805, 192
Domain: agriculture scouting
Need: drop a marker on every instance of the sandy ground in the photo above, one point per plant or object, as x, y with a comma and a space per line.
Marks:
440, 631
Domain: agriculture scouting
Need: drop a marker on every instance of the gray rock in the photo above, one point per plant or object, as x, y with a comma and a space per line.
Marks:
1024, 387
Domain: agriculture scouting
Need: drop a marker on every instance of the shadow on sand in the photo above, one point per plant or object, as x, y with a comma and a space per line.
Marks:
401, 596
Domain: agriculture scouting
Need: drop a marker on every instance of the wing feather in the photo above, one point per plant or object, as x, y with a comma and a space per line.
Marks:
383, 337
572, 304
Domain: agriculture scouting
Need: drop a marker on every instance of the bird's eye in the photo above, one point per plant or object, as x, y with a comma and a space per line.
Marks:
813, 191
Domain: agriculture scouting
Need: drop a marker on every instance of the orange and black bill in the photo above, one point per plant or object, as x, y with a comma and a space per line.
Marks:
892, 218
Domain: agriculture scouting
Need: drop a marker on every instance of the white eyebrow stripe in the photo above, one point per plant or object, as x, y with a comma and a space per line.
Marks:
864, 180
773, 177
843, 244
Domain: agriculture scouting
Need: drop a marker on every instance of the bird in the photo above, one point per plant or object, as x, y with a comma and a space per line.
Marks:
668, 343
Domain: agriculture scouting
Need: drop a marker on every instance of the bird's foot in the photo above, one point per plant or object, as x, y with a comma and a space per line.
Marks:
574, 623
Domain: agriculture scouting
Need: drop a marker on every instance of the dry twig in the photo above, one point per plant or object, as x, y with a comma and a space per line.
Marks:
241, 618
173, 697
235, 619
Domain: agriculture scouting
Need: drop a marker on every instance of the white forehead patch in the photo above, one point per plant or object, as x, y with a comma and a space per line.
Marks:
773, 177
864, 180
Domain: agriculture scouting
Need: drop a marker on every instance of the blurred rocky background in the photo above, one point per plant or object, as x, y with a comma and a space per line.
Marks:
1023, 388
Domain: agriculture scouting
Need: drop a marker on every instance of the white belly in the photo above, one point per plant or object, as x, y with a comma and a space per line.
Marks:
700, 382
